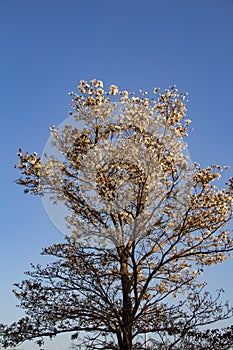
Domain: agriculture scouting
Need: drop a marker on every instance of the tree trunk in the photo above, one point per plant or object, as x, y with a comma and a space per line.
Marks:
127, 303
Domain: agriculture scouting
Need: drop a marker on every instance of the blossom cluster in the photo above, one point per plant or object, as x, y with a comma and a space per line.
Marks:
121, 167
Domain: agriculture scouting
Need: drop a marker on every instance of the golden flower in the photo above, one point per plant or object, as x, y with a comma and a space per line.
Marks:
100, 83
113, 89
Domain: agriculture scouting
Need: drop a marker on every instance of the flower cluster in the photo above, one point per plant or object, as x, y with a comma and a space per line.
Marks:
124, 171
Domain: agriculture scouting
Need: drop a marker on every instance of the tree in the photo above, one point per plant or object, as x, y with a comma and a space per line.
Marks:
145, 222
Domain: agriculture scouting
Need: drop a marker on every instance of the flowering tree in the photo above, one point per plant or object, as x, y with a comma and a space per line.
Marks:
145, 221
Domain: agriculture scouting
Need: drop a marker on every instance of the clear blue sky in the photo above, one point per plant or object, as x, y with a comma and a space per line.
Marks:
47, 46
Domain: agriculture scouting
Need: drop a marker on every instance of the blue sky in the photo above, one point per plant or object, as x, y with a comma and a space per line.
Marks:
47, 46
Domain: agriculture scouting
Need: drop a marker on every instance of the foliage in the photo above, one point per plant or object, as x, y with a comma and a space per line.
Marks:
144, 221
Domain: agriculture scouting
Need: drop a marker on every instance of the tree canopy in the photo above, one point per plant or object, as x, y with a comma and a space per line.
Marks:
145, 222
